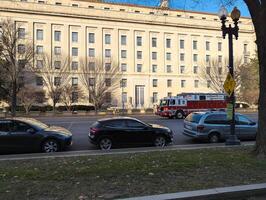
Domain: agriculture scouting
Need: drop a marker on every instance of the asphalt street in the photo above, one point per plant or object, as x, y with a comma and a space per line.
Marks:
79, 126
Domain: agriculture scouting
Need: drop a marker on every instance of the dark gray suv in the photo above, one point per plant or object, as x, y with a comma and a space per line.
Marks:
215, 127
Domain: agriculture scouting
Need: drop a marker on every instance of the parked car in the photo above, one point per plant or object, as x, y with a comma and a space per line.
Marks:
110, 132
27, 134
215, 127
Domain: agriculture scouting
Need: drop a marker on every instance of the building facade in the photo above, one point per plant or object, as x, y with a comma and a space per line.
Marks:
160, 52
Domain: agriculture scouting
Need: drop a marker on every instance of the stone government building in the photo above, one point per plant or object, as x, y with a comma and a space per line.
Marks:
160, 51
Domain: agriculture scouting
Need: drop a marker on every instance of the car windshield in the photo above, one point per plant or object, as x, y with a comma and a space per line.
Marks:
37, 124
163, 102
194, 117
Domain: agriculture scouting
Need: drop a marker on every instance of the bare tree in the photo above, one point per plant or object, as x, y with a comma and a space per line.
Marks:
16, 54
214, 74
55, 75
100, 81
29, 95
70, 95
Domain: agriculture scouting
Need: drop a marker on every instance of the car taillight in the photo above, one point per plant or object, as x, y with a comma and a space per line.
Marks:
93, 130
165, 109
200, 127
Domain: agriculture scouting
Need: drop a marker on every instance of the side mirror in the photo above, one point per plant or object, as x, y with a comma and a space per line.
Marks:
31, 131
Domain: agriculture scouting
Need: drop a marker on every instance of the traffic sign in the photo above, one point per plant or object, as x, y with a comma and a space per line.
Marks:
229, 84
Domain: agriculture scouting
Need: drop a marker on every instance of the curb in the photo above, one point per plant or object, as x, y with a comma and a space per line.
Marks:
33, 156
242, 191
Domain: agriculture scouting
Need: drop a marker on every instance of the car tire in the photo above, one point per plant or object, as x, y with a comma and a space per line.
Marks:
179, 115
159, 141
214, 138
105, 143
50, 145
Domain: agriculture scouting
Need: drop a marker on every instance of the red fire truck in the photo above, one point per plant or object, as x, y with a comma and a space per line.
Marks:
181, 105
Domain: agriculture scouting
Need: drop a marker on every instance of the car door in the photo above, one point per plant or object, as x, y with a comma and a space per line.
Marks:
24, 137
245, 129
139, 133
5, 142
116, 129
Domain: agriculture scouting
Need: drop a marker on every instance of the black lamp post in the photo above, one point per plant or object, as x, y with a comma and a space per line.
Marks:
235, 15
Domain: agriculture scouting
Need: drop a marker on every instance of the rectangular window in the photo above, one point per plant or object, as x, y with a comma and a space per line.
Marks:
57, 81
123, 67
91, 81
107, 38
168, 43
39, 34
169, 68
245, 59
75, 51
208, 70
39, 49
39, 81
91, 66
91, 38
168, 56
208, 58
195, 69
208, 83
183, 83
74, 36
195, 44
124, 97
220, 71
57, 64
169, 94
57, 36
124, 83
182, 44
207, 46
139, 41
123, 53
21, 33
91, 52
182, 57
154, 68
108, 97
39, 64
107, 67
123, 40
245, 48
219, 46
57, 50
107, 53
74, 65
74, 81
195, 57
139, 54
139, 67
169, 83
196, 83
182, 69
154, 82
75, 97
220, 58
21, 48
154, 55
155, 97
154, 42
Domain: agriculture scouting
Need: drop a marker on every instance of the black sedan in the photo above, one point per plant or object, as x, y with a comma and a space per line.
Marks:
110, 132
26, 135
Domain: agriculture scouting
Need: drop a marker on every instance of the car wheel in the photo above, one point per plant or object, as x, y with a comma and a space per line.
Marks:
50, 145
105, 143
214, 138
179, 115
159, 141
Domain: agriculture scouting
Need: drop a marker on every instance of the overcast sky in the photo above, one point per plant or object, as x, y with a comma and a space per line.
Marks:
204, 5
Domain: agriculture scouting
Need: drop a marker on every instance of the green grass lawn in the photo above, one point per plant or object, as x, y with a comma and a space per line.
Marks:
127, 175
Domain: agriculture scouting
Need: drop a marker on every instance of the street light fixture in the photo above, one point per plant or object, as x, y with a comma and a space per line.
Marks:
235, 15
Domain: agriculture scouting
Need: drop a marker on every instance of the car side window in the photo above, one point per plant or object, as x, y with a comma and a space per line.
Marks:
115, 124
5, 126
241, 120
216, 119
134, 124
20, 127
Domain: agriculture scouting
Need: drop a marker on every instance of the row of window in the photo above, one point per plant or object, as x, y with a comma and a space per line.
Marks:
107, 39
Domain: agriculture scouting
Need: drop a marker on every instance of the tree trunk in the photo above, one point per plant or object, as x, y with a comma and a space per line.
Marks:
54, 103
14, 98
260, 148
